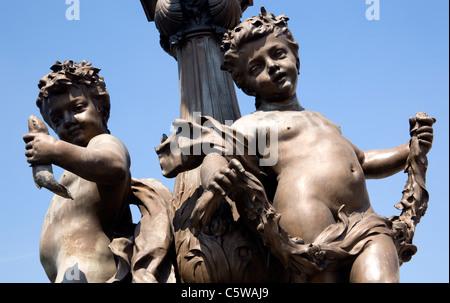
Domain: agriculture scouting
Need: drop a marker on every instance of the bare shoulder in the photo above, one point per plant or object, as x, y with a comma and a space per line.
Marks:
247, 124
105, 139
312, 114
108, 142
251, 120
243, 121
322, 120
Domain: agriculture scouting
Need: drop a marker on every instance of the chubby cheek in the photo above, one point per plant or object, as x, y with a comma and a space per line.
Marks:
260, 82
87, 120
59, 131
291, 67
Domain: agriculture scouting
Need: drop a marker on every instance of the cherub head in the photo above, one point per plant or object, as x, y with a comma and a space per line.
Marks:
74, 102
262, 56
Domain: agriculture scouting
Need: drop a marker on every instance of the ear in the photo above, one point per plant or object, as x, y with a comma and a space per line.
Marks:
297, 64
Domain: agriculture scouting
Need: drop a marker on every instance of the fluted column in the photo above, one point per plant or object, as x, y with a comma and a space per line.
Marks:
204, 88
191, 32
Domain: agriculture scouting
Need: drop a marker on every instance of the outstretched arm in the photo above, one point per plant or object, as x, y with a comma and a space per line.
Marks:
104, 160
386, 162
383, 163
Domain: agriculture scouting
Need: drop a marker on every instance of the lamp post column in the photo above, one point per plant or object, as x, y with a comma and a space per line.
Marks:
191, 32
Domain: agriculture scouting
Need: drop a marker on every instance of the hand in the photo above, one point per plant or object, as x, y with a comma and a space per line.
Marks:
219, 186
40, 148
421, 126
223, 180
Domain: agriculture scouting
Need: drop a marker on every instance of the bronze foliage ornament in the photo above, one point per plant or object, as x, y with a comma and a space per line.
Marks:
176, 19
415, 197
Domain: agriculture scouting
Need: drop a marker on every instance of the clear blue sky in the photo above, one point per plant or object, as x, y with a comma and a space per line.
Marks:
368, 77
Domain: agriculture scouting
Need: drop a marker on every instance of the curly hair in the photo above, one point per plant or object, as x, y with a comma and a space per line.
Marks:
68, 74
252, 29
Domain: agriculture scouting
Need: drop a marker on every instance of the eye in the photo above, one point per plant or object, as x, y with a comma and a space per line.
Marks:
79, 107
255, 69
279, 53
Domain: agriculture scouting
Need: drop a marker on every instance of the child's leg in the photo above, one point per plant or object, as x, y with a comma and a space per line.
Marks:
377, 263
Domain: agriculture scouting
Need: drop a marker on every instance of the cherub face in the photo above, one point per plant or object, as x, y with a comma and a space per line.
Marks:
271, 69
74, 117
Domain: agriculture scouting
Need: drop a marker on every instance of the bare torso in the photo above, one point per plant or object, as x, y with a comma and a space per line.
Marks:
317, 170
76, 233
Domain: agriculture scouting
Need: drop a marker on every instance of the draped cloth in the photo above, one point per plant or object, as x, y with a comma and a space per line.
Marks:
336, 245
185, 149
145, 254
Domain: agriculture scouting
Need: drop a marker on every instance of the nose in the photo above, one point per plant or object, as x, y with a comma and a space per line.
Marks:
272, 67
69, 119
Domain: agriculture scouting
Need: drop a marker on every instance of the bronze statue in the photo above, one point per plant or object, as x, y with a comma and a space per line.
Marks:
279, 195
88, 235
310, 207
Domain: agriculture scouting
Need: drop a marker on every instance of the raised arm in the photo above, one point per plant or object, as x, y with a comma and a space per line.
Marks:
104, 160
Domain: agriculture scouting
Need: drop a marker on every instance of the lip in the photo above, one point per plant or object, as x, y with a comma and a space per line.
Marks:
279, 78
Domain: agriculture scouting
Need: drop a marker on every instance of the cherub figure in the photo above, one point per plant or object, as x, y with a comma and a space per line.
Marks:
76, 243
320, 175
